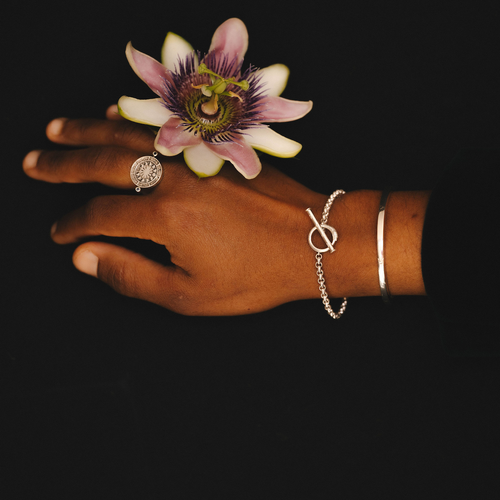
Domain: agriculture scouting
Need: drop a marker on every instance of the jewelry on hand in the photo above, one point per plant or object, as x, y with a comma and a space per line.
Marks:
146, 171
384, 288
329, 247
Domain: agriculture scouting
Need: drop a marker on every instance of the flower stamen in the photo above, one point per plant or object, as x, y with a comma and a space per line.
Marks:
204, 89
219, 84
232, 94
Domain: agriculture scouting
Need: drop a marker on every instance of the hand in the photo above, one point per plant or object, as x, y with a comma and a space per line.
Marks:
236, 246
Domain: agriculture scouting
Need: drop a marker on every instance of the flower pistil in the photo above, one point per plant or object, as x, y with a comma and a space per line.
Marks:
218, 87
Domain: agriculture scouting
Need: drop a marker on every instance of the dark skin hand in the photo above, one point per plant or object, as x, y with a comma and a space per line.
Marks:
237, 246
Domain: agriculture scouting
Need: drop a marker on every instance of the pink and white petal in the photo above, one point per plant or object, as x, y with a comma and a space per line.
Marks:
278, 109
274, 78
202, 161
231, 37
172, 138
270, 142
174, 48
149, 70
148, 111
241, 155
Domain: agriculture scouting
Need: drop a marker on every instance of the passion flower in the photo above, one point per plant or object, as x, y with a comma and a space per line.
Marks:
211, 109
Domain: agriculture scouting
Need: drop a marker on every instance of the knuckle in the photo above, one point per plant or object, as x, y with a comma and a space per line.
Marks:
91, 213
79, 128
124, 132
160, 210
159, 207
175, 213
117, 277
132, 135
219, 182
79, 131
98, 161
96, 210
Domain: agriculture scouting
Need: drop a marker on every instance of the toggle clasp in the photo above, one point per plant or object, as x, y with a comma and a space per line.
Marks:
320, 228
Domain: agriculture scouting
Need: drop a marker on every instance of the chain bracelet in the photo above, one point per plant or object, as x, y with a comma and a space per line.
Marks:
324, 294
319, 255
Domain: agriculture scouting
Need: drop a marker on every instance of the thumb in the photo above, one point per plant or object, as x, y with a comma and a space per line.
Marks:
129, 273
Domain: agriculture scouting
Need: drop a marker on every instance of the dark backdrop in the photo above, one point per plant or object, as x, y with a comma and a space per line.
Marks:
110, 397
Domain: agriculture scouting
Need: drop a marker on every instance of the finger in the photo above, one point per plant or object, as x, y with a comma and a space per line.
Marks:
91, 132
118, 216
113, 114
110, 166
132, 274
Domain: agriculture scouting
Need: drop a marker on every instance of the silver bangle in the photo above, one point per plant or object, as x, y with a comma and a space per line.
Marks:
384, 288
319, 252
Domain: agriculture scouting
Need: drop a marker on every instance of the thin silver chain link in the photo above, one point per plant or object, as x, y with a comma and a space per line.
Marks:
319, 264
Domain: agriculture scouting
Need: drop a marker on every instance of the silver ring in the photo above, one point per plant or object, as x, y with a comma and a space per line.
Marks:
146, 172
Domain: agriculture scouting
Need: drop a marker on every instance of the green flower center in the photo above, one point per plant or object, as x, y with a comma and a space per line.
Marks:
215, 109
212, 125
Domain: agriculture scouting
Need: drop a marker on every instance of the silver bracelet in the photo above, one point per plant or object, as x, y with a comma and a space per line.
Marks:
384, 288
320, 227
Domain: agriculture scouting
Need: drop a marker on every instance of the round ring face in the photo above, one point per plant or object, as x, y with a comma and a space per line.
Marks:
146, 172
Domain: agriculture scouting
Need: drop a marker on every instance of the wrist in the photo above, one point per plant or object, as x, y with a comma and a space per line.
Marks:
352, 270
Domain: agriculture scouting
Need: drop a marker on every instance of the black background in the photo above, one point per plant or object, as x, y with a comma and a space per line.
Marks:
110, 397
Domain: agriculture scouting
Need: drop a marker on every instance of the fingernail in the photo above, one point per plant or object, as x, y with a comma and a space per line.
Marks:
31, 159
53, 229
55, 126
86, 262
